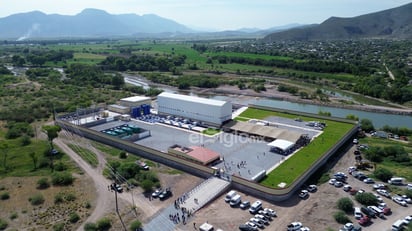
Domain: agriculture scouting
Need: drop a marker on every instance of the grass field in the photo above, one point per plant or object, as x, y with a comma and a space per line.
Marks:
301, 161
19, 163
398, 169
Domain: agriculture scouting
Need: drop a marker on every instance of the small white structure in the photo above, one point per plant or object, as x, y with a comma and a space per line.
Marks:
206, 227
119, 109
282, 145
135, 101
209, 111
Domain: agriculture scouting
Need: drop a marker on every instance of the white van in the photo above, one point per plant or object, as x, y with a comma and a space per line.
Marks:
396, 181
379, 212
229, 195
235, 200
398, 225
255, 207
357, 213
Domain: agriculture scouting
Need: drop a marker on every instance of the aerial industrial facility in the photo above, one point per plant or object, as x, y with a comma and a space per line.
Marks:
209, 111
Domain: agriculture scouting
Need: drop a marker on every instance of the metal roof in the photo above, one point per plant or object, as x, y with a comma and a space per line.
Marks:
193, 99
135, 99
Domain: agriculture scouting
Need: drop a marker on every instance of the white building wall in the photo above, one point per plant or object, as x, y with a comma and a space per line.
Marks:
213, 113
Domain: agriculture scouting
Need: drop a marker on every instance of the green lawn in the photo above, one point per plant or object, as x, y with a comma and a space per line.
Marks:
297, 164
20, 164
211, 131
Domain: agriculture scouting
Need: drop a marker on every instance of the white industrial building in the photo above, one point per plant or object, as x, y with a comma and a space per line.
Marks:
209, 111
135, 101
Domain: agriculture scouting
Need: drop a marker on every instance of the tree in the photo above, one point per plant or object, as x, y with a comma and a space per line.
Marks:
341, 217
366, 125
366, 198
345, 204
147, 185
34, 159
383, 174
52, 133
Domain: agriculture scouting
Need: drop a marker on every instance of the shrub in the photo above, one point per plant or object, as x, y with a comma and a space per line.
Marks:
43, 162
25, 140
58, 198
104, 224
135, 225
87, 205
36, 199
74, 217
62, 178
341, 217
366, 198
70, 197
43, 183
58, 227
5, 196
3, 224
90, 227
345, 204
383, 174
60, 166
13, 216
122, 155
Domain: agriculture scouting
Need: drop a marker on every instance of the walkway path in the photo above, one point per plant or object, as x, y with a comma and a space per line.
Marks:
187, 204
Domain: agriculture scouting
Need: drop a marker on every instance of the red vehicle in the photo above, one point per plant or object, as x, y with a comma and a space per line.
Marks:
364, 220
387, 211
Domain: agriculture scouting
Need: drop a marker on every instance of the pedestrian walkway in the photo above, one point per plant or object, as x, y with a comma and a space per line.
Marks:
183, 208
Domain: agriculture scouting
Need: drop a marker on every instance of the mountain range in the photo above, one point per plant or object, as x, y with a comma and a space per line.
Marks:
88, 23
395, 23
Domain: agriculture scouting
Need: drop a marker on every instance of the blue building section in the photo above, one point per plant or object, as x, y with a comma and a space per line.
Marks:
145, 109
135, 112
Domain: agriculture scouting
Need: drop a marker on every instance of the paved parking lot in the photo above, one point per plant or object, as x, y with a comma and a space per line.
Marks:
242, 156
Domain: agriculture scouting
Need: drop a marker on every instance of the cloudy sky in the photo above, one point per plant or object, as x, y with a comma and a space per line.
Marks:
213, 14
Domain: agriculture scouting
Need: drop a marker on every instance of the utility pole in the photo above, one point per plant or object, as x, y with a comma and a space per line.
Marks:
113, 186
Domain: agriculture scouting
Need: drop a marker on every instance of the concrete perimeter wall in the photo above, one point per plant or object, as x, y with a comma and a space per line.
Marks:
199, 170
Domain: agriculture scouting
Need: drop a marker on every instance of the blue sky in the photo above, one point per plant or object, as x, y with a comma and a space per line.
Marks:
213, 14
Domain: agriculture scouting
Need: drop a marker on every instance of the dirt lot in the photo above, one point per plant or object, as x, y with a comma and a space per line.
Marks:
316, 212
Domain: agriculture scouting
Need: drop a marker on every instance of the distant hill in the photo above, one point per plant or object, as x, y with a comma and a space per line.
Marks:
88, 23
394, 23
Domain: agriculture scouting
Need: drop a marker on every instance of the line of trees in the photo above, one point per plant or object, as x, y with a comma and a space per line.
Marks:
143, 63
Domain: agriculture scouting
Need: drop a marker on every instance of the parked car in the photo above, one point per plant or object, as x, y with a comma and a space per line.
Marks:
379, 186
338, 184
368, 212
383, 192
245, 227
347, 227
399, 200
332, 181
303, 194
265, 214
157, 192
252, 225
244, 204
368, 181
407, 199
312, 188
364, 220
347, 188
304, 229
294, 226
269, 211
357, 213
165, 194
116, 187
257, 222
263, 218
